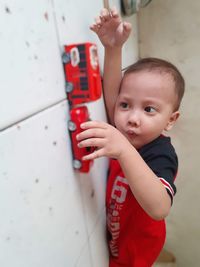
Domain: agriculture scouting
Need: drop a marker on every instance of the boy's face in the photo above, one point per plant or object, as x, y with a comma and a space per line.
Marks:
145, 106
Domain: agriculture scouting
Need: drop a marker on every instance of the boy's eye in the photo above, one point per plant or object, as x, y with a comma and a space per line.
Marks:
123, 105
150, 109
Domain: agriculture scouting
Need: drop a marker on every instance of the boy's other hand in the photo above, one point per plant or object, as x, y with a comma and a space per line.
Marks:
110, 28
106, 138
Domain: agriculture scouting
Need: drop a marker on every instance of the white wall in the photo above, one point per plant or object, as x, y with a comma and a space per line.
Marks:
50, 215
170, 29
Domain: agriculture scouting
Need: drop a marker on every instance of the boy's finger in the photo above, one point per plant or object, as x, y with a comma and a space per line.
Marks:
91, 142
104, 14
98, 21
94, 28
127, 26
90, 133
114, 13
96, 154
93, 124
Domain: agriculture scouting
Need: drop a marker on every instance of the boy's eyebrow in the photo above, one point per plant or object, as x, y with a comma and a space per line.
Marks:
124, 96
148, 100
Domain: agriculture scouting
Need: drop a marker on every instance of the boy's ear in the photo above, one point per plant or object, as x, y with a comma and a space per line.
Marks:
173, 118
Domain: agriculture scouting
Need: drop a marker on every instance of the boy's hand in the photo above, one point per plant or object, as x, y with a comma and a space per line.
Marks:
110, 28
106, 138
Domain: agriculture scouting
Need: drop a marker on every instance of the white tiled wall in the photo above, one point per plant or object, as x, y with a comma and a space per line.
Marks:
41, 208
50, 215
30, 67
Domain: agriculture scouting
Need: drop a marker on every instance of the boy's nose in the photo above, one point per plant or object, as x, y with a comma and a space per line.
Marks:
134, 119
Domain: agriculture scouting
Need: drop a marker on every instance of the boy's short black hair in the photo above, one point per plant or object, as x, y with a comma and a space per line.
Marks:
162, 66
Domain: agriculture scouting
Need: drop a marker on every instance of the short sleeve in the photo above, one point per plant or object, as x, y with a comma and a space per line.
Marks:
161, 157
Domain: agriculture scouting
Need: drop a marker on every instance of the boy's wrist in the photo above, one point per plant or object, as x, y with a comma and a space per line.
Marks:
125, 152
113, 49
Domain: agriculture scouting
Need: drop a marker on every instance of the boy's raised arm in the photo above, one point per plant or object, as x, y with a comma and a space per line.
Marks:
113, 33
111, 79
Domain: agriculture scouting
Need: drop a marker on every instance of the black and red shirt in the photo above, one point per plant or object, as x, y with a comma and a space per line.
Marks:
135, 239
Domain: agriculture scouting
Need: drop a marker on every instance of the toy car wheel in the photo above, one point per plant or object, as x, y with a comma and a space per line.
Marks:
65, 58
72, 126
77, 164
68, 87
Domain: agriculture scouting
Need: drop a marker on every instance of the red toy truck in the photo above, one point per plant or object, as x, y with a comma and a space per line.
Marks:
79, 115
82, 73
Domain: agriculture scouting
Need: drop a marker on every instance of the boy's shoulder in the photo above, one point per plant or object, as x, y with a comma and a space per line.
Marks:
160, 156
160, 146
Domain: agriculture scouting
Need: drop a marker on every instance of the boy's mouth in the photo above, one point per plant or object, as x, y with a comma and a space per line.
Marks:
131, 134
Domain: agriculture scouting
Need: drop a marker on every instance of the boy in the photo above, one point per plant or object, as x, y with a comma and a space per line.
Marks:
140, 106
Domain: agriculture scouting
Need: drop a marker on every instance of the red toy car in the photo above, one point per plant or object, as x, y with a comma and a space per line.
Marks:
78, 116
82, 73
